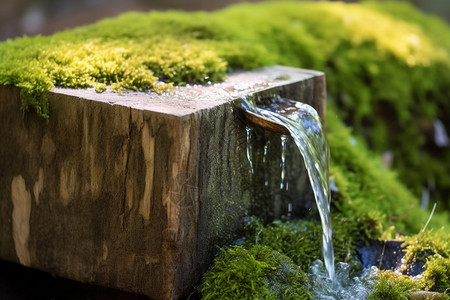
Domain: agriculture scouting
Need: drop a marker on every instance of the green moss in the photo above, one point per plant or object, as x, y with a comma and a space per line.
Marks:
433, 248
256, 272
429, 247
427, 242
370, 192
120, 64
301, 240
437, 274
392, 286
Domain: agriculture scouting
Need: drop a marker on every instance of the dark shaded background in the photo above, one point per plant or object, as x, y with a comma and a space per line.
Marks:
30, 17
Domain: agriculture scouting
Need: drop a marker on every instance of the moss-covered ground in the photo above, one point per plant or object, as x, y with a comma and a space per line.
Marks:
387, 68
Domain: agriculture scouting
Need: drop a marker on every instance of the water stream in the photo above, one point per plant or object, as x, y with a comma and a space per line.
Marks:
305, 128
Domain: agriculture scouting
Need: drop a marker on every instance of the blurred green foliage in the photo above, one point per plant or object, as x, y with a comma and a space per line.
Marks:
368, 190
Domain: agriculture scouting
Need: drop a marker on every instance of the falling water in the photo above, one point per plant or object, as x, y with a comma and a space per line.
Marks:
304, 125
249, 158
283, 160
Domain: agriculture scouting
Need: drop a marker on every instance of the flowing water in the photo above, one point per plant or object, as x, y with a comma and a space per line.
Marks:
304, 125
346, 286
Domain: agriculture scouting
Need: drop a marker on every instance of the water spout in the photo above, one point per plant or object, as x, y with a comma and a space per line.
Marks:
302, 123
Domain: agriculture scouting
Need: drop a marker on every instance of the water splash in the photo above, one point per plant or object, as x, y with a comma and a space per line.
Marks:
304, 125
346, 286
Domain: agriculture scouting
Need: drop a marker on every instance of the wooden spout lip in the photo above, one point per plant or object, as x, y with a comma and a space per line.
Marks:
253, 119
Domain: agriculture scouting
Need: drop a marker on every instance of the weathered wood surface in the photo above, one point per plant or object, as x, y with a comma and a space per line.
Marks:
136, 191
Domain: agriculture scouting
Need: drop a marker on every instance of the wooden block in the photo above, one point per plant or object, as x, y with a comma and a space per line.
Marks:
136, 191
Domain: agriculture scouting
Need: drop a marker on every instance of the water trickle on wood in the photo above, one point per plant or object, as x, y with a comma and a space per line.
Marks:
249, 150
304, 126
283, 160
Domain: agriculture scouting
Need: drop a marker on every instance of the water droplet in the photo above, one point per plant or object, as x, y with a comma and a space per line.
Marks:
283, 160
249, 148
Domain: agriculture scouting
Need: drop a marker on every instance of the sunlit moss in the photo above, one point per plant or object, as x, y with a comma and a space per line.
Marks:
433, 248
392, 286
188, 47
430, 247
38, 64
437, 274
427, 242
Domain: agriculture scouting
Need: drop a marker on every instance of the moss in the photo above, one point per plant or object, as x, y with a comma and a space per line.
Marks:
298, 241
392, 286
427, 242
433, 249
256, 272
301, 240
437, 274
368, 191
430, 247
120, 64
399, 113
